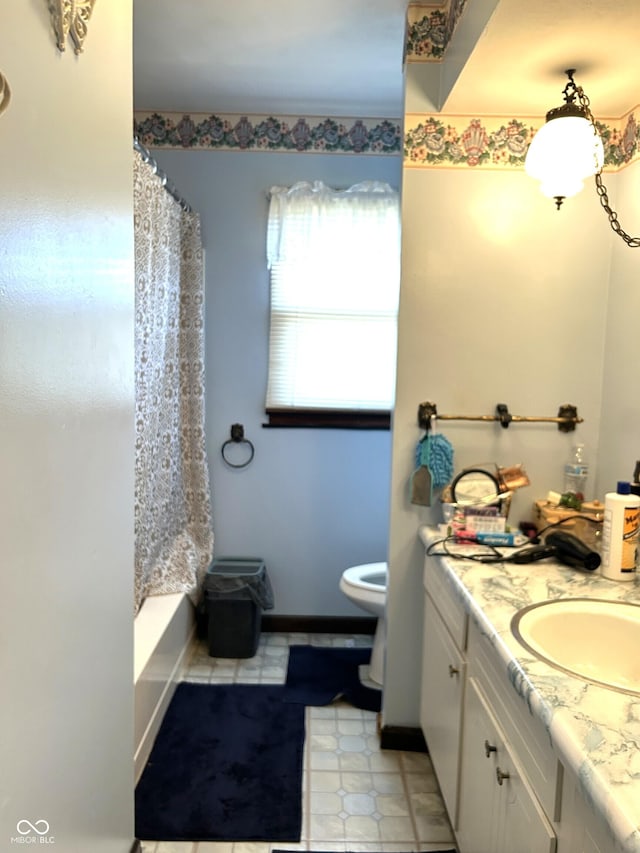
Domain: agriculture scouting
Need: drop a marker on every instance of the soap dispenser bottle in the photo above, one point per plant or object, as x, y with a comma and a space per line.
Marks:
620, 532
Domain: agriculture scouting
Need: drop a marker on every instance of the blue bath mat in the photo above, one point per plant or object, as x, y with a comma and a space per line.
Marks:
226, 766
318, 675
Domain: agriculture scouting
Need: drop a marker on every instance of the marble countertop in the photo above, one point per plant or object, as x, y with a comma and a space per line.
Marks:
594, 731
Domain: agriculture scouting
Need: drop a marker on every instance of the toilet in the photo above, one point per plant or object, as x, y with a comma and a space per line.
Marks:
366, 586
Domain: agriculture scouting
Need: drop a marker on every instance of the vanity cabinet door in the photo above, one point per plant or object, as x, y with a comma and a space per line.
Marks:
582, 829
443, 678
499, 812
482, 751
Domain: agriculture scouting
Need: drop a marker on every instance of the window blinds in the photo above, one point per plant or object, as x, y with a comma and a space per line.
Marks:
334, 260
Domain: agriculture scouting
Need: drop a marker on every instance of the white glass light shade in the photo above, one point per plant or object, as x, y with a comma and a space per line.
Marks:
564, 152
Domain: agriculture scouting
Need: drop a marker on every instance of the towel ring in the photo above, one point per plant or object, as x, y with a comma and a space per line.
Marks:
237, 437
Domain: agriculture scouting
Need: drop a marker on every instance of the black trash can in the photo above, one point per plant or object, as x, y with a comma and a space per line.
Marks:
236, 591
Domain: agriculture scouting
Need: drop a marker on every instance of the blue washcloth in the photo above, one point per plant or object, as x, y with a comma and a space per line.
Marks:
436, 452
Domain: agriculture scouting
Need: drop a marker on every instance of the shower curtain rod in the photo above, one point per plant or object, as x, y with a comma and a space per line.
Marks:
166, 183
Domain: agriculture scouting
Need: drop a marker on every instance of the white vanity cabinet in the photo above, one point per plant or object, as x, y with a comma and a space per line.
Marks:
443, 680
487, 711
475, 742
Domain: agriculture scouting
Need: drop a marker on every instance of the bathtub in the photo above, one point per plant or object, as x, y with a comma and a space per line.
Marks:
163, 631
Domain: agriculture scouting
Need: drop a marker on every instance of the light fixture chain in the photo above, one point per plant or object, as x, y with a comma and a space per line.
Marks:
633, 242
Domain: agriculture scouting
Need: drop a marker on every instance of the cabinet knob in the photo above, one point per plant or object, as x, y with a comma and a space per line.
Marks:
453, 670
489, 748
501, 775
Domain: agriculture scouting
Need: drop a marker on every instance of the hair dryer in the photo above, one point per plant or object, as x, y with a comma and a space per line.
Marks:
564, 547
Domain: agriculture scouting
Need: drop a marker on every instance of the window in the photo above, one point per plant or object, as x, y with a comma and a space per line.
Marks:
334, 260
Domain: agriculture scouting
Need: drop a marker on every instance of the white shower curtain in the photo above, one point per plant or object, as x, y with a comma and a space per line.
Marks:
173, 528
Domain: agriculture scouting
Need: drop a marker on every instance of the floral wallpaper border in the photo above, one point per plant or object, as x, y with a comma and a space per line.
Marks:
500, 143
430, 140
269, 133
430, 28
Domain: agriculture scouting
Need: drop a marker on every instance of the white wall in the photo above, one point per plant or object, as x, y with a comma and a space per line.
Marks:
313, 501
66, 432
619, 443
503, 300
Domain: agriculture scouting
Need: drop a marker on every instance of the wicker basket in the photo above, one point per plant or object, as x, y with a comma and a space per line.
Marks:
585, 524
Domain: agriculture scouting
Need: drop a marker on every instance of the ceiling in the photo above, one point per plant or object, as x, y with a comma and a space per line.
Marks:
344, 57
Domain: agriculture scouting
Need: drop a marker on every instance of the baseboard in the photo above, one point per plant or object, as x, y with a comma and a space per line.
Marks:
403, 738
320, 624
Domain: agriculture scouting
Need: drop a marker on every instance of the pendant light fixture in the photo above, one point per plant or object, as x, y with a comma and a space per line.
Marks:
568, 149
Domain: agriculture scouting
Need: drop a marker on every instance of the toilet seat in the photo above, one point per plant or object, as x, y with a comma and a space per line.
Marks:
369, 576
366, 587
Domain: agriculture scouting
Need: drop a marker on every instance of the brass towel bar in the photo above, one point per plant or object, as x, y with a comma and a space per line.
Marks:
567, 417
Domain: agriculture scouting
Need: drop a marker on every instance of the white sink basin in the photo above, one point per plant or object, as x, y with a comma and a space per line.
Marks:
590, 638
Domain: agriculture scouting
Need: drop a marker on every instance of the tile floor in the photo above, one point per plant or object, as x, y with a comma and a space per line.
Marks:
356, 797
